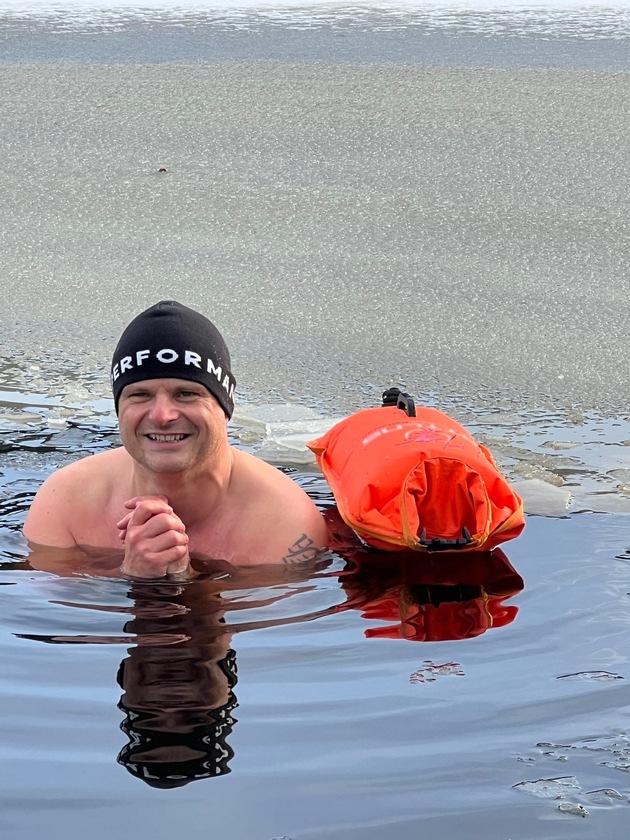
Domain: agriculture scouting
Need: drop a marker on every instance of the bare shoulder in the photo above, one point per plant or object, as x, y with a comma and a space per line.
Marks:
67, 494
72, 476
286, 518
266, 485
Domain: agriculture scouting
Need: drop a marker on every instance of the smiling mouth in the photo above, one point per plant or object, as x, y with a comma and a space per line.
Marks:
166, 438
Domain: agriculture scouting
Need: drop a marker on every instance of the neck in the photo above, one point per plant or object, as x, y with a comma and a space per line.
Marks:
191, 494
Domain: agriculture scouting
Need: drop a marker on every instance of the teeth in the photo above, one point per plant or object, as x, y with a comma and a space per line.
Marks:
166, 438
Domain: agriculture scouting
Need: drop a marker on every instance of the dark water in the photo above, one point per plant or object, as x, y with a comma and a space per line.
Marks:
357, 699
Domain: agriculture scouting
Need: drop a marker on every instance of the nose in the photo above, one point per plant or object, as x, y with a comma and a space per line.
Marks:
163, 409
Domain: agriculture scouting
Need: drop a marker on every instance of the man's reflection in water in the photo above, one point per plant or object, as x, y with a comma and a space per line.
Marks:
178, 680
178, 686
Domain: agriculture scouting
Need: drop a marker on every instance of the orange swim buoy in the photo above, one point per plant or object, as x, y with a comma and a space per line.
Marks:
407, 477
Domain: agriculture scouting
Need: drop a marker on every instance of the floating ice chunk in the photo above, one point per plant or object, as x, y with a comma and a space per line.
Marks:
604, 796
622, 763
269, 414
600, 676
559, 445
617, 744
622, 475
280, 432
543, 499
575, 809
287, 450
76, 393
558, 788
19, 418
55, 422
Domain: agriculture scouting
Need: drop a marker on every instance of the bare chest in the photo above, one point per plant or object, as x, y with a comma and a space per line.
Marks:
217, 538
96, 526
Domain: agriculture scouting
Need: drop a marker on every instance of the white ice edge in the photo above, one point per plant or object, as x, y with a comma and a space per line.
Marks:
19, 400
53, 7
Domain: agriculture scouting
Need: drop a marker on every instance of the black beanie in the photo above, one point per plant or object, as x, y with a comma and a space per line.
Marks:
170, 340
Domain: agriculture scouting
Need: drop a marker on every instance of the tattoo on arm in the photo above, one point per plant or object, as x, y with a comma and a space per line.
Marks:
302, 549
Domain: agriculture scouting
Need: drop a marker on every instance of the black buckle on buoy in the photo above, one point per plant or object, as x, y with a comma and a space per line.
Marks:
441, 544
394, 396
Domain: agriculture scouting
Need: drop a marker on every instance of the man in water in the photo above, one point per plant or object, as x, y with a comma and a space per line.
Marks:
176, 489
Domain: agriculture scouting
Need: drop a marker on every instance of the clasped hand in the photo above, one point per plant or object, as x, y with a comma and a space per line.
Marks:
155, 539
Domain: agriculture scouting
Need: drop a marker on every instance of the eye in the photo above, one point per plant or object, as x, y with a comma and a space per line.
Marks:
185, 394
136, 395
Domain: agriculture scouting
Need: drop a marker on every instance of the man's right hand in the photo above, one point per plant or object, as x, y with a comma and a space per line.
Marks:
155, 539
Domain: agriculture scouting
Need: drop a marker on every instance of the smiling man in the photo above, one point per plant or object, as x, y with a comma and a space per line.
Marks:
176, 489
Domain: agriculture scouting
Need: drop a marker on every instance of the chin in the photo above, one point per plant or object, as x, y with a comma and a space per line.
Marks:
165, 465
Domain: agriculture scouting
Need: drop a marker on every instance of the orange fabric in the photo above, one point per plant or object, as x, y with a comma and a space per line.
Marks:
395, 476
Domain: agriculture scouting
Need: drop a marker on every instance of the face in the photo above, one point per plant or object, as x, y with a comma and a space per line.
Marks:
171, 425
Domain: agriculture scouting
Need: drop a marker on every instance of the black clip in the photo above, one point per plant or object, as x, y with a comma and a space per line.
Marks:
440, 544
394, 396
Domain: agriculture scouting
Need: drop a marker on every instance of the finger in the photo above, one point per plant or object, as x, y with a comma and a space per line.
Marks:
155, 564
124, 522
160, 523
182, 569
158, 535
161, 544
148, 509
130, 504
